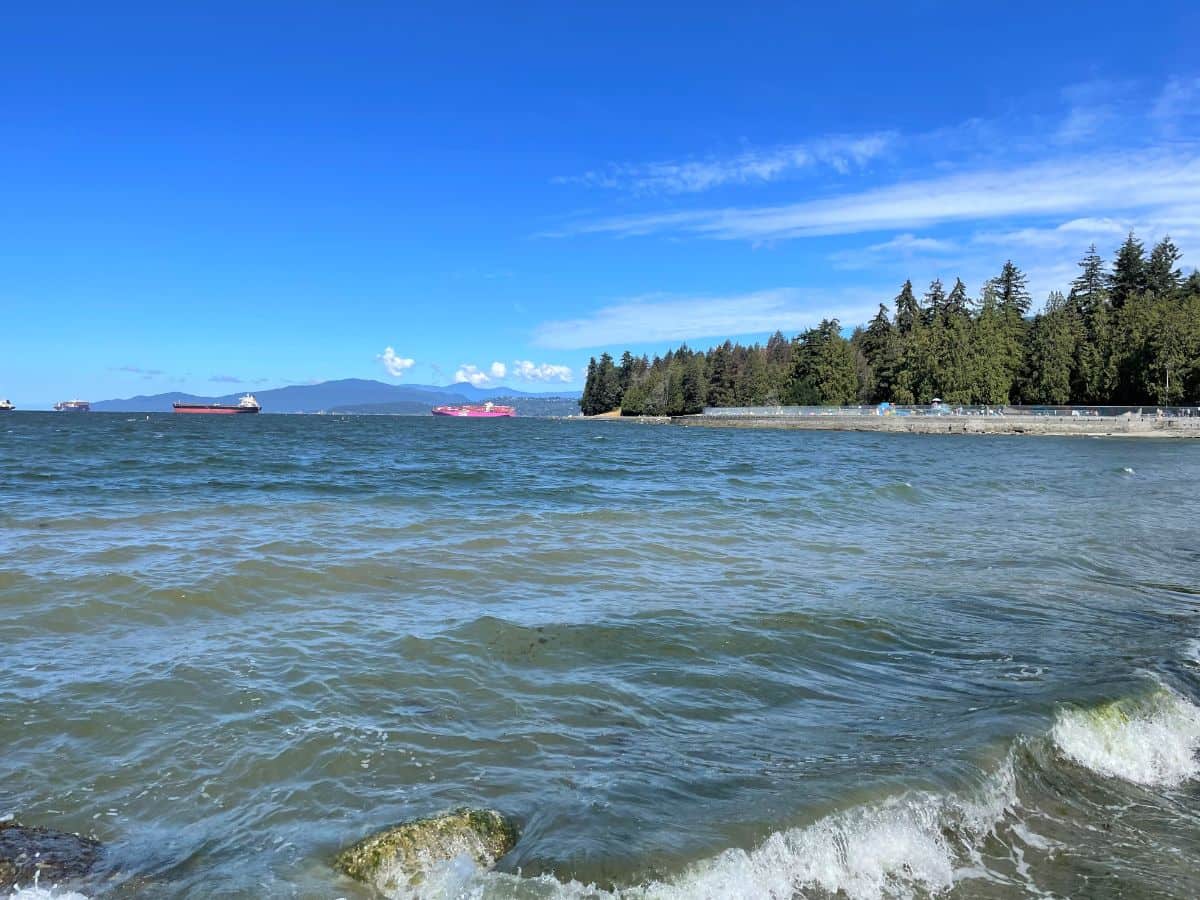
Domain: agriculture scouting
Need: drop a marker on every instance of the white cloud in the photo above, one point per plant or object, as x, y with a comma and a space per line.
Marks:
657, 318
840, 153
498, 370
1079, 185
472, 375
527, 370
395, 365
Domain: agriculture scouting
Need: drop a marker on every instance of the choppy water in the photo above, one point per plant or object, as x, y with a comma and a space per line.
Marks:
690, 663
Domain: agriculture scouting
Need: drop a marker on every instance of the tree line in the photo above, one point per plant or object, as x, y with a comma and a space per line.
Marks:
1129, 334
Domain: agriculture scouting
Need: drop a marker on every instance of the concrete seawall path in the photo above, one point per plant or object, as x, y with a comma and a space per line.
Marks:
1103, 426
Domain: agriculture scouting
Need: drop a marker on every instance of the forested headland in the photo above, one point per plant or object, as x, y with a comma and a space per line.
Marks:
1125, 334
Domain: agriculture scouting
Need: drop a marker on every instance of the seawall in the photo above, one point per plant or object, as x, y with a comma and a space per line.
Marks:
1102, 426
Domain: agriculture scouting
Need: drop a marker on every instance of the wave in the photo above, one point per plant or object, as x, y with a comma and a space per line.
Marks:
915, 844
1150, 740
906, 846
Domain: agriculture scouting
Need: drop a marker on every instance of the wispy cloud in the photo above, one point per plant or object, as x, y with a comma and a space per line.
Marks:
839, 153
903, 247
138, 370
1074, 233
1178, 101
658, 318
1080, 185
226, 379
396, 365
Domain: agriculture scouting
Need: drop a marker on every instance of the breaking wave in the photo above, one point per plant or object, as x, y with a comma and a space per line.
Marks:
1150, 740
910, 845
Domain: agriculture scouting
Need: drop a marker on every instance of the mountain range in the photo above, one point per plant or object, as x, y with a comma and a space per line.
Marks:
359, 395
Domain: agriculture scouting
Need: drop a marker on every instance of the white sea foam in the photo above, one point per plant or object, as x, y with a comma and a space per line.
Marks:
911, 845
1149, 741
40, 893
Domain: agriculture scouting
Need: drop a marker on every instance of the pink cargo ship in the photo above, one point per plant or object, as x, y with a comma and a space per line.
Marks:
487, 410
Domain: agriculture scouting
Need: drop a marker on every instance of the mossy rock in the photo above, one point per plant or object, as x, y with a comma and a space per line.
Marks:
51, 857
401, 856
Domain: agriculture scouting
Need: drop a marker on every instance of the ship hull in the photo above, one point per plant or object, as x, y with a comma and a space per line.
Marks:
475, 412
205, 410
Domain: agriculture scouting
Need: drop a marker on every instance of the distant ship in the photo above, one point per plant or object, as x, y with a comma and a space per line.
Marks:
246, 405
487, 410
6, 406
73, 406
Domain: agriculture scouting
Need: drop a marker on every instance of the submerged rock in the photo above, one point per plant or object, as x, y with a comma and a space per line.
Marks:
29, 853
402, 857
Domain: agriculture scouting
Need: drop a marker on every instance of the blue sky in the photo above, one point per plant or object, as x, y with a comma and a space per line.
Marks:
253, 195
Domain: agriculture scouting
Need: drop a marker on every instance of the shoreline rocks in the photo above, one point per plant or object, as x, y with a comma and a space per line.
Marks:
29, 854
403, 856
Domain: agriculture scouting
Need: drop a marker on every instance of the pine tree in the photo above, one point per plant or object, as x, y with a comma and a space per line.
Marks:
1129, 272
956, 301
694, 386
1011, 292
626, 370
1162, 276
824, 372
935, 300
908, 311
1090, 287
1051, 357
992, 376
878, 344
1013, 301
587, 403
608, 391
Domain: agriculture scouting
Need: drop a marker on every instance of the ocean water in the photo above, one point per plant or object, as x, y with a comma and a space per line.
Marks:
690, 663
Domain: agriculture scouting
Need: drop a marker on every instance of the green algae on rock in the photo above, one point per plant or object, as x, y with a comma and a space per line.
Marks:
401, 856
29, 853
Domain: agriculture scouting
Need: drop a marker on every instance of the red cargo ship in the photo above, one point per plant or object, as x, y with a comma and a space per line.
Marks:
246, 405
487, 410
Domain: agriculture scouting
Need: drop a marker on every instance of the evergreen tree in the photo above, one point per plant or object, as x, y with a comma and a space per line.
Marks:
1129, 272
935, 300
607, 396
626, 370
1011, 292
1051, 358
721, 386
908, 311
992, 375
1013, 301
1090, 287
694, 386
956, 301
824, 372
878, 345
587, 403
1162, 276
